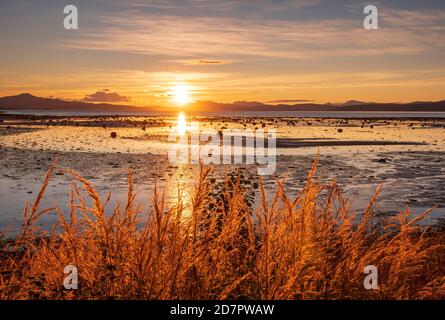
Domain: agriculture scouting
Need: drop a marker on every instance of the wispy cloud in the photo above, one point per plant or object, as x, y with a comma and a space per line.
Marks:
401, 33
218, 7
204, 62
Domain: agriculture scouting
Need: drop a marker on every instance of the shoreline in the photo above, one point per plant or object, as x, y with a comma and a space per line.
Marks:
266, 115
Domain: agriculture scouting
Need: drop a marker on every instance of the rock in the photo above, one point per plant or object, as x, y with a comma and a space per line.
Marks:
382, 160
113, 135
340, 130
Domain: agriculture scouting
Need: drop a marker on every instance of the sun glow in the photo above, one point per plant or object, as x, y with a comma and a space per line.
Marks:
180, 95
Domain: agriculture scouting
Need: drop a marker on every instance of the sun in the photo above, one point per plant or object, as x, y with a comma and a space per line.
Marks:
180, 95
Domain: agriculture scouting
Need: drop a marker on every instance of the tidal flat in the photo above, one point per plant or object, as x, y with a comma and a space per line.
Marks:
403, 156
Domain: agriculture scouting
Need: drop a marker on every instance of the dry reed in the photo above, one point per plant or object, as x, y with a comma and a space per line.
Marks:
309, 247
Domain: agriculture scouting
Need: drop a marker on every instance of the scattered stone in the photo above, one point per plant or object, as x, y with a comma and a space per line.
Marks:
113, 135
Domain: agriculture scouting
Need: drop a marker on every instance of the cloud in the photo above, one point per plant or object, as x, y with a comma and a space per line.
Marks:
106, 96
204, 62
225, 38
218, 7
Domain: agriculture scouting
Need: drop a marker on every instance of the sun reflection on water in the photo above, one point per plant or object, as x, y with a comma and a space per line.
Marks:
180, 188
181, 124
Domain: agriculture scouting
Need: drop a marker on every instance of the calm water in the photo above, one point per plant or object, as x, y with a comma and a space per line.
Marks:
253, 114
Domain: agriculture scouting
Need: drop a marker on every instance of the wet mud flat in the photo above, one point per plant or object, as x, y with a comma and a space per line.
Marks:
408, 179
404, 156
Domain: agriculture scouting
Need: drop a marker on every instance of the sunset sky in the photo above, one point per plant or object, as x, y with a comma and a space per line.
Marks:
142, 52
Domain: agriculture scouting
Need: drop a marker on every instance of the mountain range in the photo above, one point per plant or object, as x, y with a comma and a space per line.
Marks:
28, 101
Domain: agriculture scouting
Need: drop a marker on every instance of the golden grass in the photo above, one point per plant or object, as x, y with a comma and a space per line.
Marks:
309, 247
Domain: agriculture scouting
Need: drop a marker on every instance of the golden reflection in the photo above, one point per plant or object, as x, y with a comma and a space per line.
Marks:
181, 124
180, 189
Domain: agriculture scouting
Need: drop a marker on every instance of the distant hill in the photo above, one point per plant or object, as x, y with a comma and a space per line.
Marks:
347, 106
354, 103
425, 106
28, 101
